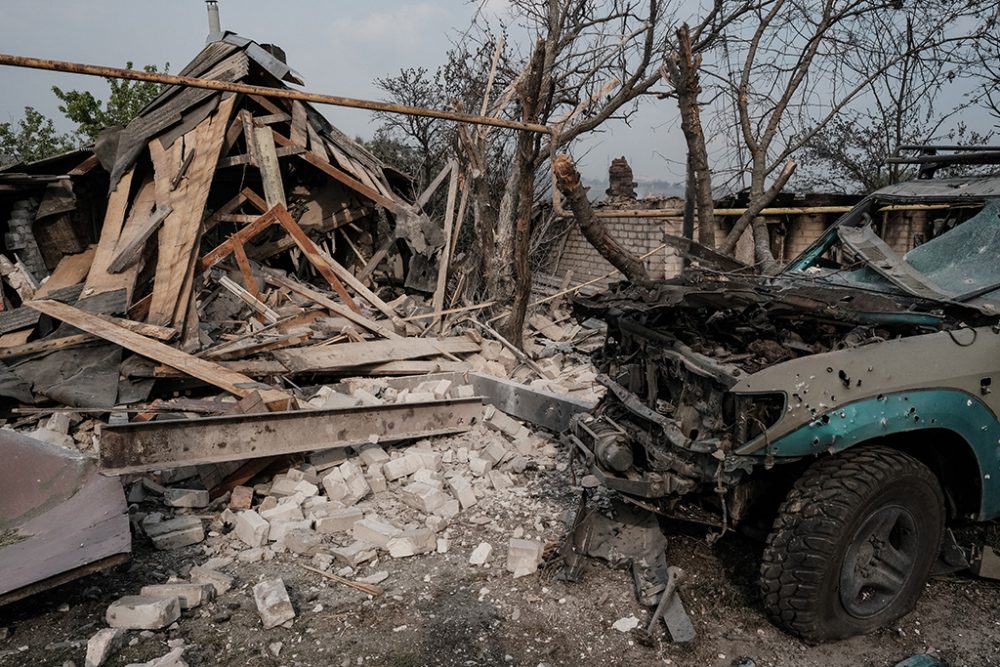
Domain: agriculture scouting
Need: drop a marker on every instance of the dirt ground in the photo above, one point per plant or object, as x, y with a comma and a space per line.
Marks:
437, 609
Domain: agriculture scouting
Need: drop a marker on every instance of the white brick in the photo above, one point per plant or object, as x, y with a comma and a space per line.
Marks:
102, 644
354, 554
189, 595
463, 491
524, 556
136, 612
283, 512
280, 528
412, 542
186, 497
479, 466
422, 497
273, 603
480, 554
354, 480
220, 581
175, 533
374, 532
339, 521
403, 466
372, 455
252, 528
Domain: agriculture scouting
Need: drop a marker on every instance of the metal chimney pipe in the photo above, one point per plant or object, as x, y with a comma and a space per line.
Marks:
214, 25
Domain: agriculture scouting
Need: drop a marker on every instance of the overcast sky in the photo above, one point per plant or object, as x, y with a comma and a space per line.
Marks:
337, 46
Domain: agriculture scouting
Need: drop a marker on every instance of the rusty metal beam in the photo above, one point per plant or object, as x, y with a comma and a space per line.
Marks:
143, 446
266, 91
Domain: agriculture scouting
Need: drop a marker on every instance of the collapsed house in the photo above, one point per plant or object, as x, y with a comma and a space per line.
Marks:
190, 154
186, 295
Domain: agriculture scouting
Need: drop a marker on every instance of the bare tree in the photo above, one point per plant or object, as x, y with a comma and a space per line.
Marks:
597, 59
800, 63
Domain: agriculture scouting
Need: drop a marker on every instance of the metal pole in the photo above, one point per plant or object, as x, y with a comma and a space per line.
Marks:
265, 91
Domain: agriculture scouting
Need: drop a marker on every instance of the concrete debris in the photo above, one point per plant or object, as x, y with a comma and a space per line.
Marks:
354, 554
220, 581
252, 528
175, 533
374, 531
412, 542
102, 644
524, 556
339, 521
303, 541
189, 595
173, 659
194, 498
626, 624
480, 554
273, 603
137, 612
987, 565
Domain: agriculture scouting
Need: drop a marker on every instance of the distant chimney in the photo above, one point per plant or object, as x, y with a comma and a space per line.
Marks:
214, 25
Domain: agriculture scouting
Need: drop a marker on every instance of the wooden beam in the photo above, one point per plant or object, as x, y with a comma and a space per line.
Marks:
332, 306
270, 170
219, 376
445, 257
98, 278
248, 135
221, 251
346, 355
249, 299
376, 259
426, 195
47, 345
129, 250
298, 133
360, 288
281, 117
255, 199
314, 255
342, 177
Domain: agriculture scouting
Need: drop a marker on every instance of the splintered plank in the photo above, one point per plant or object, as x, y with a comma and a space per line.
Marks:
181, 230
270, 170
298, 133
214, 374
332, 357
343, 177
98, 278
333, 306
129, 250
71, 270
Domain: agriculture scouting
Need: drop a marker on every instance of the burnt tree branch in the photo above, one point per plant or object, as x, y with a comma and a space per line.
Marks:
593, 228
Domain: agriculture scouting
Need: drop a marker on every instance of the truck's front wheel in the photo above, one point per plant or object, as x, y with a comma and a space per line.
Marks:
853, 544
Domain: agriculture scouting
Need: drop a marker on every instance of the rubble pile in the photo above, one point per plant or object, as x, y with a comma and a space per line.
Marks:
338, 514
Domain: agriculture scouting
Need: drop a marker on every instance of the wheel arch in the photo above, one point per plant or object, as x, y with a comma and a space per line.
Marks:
951, 458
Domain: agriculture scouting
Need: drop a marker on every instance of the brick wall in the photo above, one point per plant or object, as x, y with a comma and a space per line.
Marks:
637, 235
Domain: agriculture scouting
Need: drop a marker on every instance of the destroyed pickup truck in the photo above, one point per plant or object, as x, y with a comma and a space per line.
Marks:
848, 400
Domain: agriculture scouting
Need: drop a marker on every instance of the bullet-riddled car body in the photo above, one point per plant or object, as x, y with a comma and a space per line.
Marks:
853, 391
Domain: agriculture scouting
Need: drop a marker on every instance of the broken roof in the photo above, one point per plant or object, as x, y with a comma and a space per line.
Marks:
231, 58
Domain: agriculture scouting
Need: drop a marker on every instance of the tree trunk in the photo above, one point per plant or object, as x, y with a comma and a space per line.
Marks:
681, 68
527, 145
593, 228
758, 202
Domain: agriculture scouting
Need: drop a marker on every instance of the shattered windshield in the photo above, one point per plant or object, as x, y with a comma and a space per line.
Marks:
965, 258
937, 251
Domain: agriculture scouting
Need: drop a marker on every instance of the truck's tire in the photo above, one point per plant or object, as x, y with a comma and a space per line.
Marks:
853, 544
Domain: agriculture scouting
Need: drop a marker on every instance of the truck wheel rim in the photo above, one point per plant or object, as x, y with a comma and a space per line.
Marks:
879, 561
